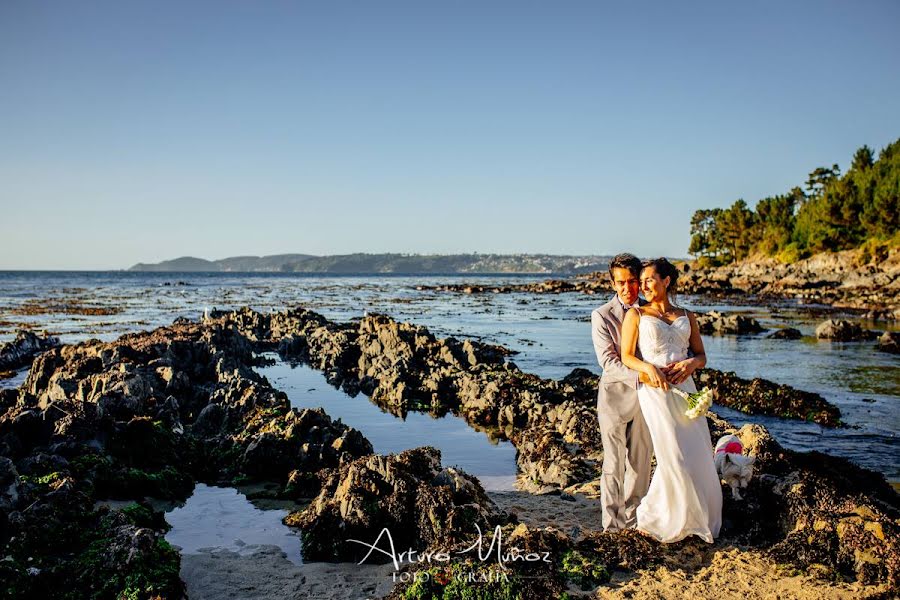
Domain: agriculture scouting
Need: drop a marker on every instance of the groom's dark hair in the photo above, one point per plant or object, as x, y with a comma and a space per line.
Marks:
626, 261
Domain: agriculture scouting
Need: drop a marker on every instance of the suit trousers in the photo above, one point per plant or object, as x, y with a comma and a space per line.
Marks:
627, 452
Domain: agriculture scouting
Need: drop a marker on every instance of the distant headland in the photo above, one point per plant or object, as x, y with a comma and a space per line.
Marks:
386, 263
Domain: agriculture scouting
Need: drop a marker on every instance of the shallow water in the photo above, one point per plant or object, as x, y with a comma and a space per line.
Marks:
221, 518
550, 332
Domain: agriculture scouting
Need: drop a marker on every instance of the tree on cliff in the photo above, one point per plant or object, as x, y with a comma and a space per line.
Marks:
836, 212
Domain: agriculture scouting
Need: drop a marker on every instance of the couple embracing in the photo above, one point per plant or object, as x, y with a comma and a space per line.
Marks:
645, 348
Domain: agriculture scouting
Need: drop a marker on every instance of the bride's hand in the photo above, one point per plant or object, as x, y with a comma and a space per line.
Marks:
677, 372
657, 378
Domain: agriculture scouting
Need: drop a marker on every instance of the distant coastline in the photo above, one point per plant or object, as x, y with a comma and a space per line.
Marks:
385, 264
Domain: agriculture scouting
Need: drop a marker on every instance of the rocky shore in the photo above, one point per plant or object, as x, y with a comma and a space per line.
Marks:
848, 280
151, 413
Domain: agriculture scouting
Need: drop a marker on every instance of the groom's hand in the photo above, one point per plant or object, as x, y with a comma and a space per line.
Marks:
642, 377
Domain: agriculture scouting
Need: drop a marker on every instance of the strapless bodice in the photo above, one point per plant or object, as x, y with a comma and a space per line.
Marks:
662, 343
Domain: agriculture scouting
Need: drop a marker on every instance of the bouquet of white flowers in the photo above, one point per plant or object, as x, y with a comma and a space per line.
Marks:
698, 402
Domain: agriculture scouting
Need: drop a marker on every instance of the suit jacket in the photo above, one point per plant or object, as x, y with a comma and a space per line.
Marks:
617, 393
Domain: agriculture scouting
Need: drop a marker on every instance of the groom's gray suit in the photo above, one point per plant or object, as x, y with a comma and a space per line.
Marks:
627, 447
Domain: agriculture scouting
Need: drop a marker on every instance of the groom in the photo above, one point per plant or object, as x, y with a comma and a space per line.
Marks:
627, 447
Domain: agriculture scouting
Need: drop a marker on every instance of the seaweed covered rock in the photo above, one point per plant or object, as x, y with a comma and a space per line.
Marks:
58, 546
626, 550
763, 397
546, 463
407, 494
814, 510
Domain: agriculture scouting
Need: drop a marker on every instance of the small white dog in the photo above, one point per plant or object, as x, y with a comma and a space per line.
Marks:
734, 468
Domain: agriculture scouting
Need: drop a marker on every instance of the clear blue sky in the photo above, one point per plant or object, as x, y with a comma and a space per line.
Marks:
142, 131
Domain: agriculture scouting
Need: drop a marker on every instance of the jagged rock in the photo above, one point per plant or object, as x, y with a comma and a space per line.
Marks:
787, 333
210, 420
723, 323
408, 493
22, 350
625, 550
889, 342
842, 331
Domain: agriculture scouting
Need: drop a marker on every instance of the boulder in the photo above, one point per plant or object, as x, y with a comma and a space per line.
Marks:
839, 330
889, 342
787, 333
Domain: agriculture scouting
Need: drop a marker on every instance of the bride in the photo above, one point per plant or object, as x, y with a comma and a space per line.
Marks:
685, 496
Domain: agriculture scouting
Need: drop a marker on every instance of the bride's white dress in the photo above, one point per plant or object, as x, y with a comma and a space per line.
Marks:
685, 496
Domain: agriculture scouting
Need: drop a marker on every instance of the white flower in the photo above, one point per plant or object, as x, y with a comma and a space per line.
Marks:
698, 403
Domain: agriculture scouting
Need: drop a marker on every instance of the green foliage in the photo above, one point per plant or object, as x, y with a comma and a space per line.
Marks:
583, 570
42, 480
835, 212
452, 582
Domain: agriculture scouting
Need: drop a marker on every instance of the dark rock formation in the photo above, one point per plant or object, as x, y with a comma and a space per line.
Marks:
763, 397
404, 367
551, 286
466, 576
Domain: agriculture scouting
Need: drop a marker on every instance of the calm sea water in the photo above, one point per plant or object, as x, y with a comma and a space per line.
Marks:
551, 333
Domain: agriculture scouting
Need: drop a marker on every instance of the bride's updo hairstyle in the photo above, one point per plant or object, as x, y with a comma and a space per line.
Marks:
665, 269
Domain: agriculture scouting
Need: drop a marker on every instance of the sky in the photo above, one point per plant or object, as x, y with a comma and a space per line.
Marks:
143, 131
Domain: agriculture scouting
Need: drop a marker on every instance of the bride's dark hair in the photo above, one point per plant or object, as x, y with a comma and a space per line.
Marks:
665, 269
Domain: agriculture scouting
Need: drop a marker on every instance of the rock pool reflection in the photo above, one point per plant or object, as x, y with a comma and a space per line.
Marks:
219, 518
492, 462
